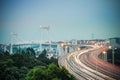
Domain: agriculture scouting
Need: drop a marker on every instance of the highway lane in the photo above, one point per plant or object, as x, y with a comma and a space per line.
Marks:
102, 66
85, 65
76, 69
79, 69
64, 62
97, 75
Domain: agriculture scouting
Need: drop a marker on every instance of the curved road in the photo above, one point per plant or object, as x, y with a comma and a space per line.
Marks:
85, 65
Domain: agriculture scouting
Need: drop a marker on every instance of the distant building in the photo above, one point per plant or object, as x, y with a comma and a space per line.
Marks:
3, 48
115, 42
49, 55
73, 41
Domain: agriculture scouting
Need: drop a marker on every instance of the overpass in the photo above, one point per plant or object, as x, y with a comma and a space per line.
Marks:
85, 65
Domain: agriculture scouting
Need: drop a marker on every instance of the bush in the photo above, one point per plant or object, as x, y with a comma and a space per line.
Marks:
51, 73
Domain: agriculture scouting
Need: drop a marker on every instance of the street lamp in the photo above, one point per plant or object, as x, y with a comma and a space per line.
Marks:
113, 53
78, 50
109, 47
66, 49
113, 56
96, 67
105, 55
62, 48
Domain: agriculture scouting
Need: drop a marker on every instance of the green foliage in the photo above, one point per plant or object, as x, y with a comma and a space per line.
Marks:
42, 57
26, 60
4, 65
43, 54
36, 74
5, 55
30, 51
65, 75
16, 66
23, 60
25, 66
51, 73
11, 73
22, 72
54, 60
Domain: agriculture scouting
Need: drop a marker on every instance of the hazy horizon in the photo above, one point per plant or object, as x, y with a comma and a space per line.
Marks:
68, 19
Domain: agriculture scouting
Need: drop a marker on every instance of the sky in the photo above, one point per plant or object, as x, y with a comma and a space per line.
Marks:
67, 19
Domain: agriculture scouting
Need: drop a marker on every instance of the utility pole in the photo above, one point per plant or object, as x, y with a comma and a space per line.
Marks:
113, 56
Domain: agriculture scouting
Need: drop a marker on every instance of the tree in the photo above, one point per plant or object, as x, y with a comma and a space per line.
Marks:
43, 54
4, 64
30, 51
25, 60
51, 73
66, 75
42, 57
54, 60
36, 74
5, 55
54, 72
22, 72
11, 73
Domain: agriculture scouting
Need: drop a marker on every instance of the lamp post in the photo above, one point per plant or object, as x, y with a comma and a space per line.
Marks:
96, 67
105, 55
113, 53
78, 50
66, 49
113, 56
62, 48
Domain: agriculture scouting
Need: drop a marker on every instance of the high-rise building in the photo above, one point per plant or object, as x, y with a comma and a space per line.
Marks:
115, 42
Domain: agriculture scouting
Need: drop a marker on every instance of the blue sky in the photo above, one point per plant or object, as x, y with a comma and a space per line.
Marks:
68, 19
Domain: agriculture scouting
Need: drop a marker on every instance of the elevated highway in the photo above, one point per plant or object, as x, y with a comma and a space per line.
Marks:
85, 65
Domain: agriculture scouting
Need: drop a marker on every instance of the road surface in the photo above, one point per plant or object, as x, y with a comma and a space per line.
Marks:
85, 65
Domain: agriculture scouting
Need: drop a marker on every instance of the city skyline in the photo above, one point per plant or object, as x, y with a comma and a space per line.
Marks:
77, 19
